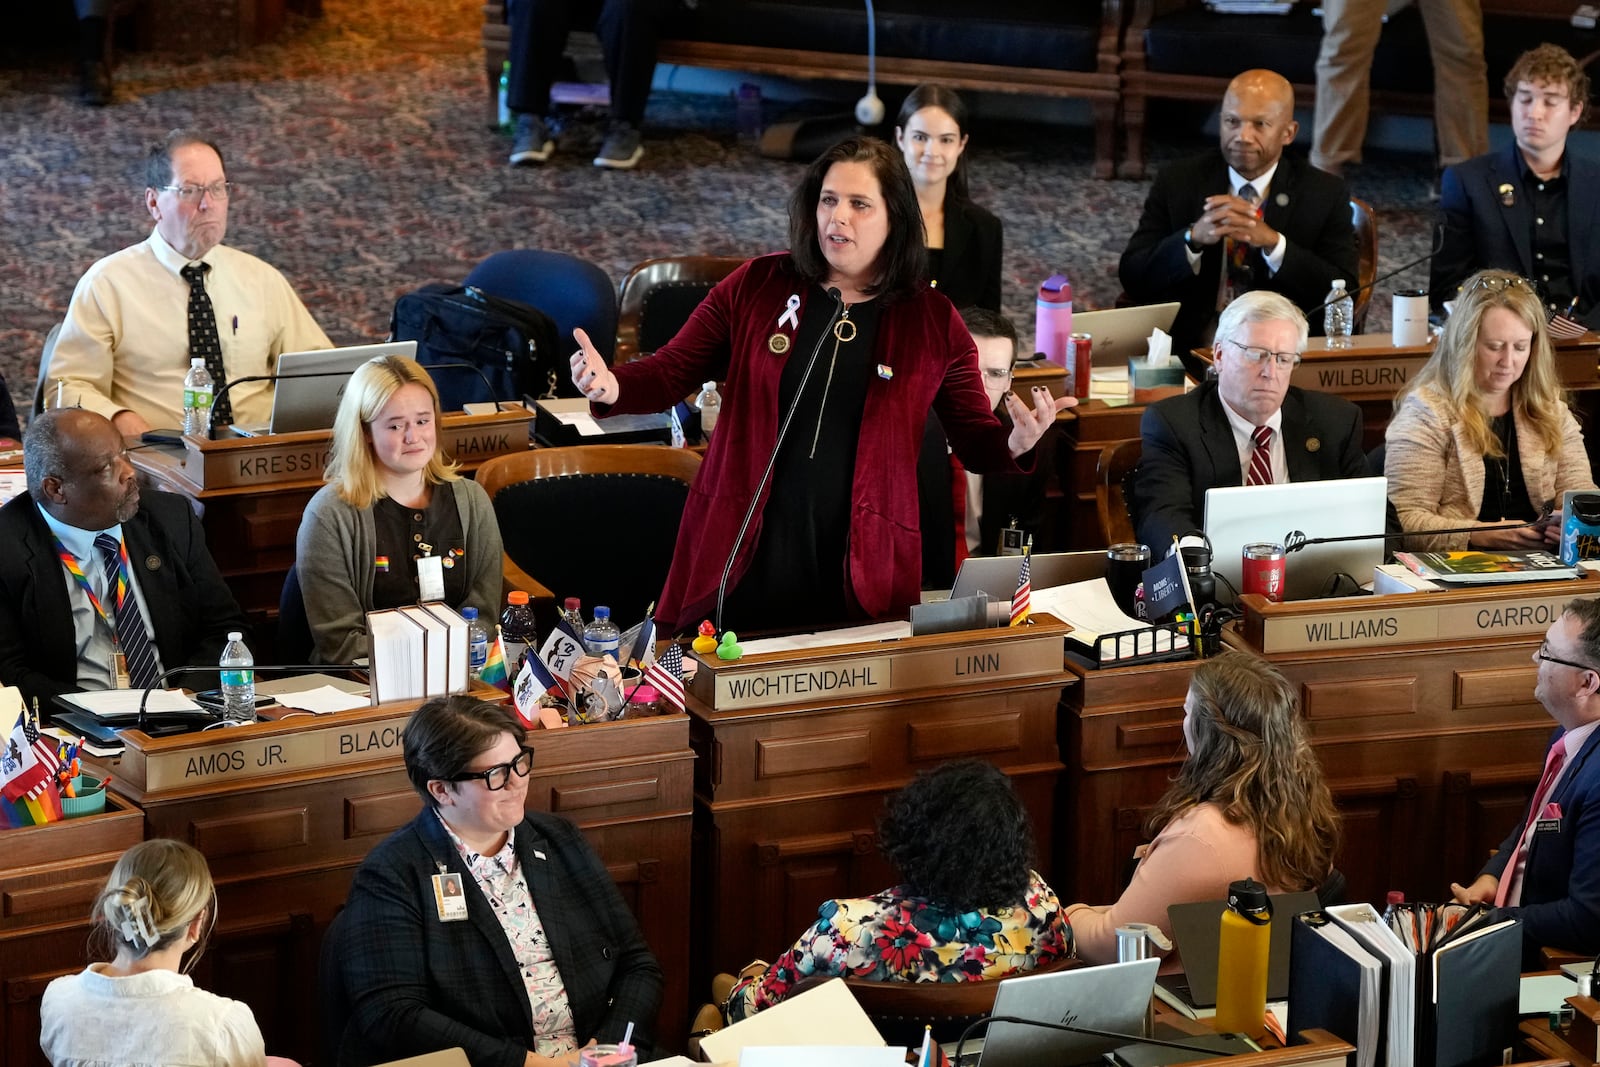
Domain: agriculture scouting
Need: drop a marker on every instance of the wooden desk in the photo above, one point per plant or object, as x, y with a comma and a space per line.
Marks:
1420, 708
255, 489
284, 813
796, 752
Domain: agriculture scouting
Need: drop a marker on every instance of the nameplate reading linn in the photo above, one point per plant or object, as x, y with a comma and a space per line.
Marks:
239, 757
1513, 615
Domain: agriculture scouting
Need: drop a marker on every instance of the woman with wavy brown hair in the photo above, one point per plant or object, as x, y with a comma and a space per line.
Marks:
1248, 802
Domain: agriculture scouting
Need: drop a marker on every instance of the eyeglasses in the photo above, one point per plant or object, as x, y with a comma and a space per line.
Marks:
996, 374
191, 193
1253, 355
499, 776
1544, 654
1495, 283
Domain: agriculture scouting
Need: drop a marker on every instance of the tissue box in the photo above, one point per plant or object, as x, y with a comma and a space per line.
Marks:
1148, 383
1580, 526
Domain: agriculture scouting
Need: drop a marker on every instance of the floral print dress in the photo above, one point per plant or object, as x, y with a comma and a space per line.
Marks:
894, 936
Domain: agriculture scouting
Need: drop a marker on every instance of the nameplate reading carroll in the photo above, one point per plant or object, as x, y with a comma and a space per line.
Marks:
233, 756
1387, 621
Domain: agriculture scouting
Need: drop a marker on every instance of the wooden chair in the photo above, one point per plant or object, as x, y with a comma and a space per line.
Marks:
659, 295
1113, 471
620, 503
900, 1010
1366, 227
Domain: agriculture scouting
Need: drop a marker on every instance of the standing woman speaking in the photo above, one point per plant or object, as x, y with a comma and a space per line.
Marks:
842, 341
964, 241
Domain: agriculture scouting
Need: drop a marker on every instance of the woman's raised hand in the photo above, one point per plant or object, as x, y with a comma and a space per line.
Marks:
1028, 424
590, 373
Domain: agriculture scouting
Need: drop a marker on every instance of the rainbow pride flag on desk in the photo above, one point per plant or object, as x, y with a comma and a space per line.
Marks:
28, 765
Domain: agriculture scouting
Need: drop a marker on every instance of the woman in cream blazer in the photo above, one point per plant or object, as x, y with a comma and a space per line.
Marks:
1483, 434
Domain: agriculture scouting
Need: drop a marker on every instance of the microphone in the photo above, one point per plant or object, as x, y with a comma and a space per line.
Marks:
869, 109
212, 668
1437, 245
211, 432
772, 461
1294, 540
1132, 1039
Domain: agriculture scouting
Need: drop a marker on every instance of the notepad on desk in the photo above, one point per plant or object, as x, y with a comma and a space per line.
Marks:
122, 705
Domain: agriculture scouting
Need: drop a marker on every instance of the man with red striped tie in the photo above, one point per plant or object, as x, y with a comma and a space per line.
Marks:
1248, 426
1547, 870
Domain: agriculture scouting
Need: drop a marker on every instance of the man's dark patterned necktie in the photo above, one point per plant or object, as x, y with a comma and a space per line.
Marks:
204, 342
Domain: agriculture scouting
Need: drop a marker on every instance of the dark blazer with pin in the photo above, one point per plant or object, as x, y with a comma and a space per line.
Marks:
1309, 207
970, 272
1189, 447
189, 603
412, 983
1560, 903
1481, 229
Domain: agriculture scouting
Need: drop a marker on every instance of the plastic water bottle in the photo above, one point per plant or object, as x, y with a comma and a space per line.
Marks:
601, 637
505, 96
572, 614
1242, 960
238, 681
477, 642
1339, 320
1052, 321
516, 626
748, 105
197, 388
710, 404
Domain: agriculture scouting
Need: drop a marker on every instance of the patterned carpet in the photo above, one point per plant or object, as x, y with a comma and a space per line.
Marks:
364, 170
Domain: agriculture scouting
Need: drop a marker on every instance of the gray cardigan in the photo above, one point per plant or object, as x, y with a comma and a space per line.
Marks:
335, 555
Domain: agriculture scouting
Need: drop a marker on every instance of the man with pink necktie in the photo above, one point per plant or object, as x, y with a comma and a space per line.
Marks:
1547, 870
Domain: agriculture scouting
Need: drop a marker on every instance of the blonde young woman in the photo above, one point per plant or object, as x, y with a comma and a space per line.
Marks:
1482, 435
1248, 802
157, 908
392, 505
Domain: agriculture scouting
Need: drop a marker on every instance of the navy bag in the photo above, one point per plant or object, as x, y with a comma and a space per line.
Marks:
513, 344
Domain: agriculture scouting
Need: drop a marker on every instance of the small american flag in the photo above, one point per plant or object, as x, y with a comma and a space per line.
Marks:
1022, 599
666, 674
44, 750
1563, 328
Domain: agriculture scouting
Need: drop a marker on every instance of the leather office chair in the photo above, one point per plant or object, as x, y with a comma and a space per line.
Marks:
1366, 227
572, 291
621, 503
900, 1010
42, 383
1113, 472
294, 641
659, 295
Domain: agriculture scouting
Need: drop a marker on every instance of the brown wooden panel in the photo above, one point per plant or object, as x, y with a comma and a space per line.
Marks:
604, 794
23, 992
1495, 687
250, 834
77, 894
379, 813
1164, 735
1360, 698
955, 739
781, 756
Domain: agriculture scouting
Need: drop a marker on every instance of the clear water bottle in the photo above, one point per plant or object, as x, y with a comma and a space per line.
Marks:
516, 626
238, 681
601, 637
1339, 319
710, 404
477, 642
197, 388
505, 97
748, 103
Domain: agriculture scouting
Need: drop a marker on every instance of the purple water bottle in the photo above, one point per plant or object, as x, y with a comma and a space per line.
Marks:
1052, 324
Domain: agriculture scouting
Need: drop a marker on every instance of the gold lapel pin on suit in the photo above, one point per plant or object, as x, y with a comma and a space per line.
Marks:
1508, 194
1313, 444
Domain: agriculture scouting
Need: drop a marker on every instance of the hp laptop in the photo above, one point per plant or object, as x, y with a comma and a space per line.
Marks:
311, 403
1112, 998
1352, 507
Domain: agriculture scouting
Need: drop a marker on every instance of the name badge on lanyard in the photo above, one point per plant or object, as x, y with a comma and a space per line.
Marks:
449, 898
430, 575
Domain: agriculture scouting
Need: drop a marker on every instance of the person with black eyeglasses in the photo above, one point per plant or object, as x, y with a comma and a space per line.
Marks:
481, 924
1248, 426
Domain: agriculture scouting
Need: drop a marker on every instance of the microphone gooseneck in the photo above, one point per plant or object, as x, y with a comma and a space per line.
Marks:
1437, 245
1295, 540
161, 678
772, 461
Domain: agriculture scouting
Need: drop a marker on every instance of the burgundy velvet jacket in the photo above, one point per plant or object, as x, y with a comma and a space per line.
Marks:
926, 360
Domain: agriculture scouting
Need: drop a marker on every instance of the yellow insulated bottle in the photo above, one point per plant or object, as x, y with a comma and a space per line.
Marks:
1242, 960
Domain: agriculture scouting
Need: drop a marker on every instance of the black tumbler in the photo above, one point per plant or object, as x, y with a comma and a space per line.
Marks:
1126, 563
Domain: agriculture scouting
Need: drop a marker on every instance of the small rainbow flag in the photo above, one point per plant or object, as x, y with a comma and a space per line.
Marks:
494, 668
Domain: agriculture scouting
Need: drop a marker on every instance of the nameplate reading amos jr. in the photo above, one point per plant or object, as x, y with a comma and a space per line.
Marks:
841, 678
235, 756
1383, 621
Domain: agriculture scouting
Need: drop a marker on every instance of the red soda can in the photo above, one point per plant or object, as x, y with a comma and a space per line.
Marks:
1262, 570
1080, 346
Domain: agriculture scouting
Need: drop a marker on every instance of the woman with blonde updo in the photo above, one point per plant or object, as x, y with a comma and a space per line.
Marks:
142, 1007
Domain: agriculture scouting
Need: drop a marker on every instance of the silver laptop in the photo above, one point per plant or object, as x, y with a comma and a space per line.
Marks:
311, 403
997, 575
1122, 332
1240, 515
1112, 998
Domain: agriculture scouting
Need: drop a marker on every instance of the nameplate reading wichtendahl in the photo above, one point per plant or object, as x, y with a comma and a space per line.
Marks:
1384, 621
236, 757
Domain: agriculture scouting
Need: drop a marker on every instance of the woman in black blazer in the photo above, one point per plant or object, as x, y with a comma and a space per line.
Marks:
964, 240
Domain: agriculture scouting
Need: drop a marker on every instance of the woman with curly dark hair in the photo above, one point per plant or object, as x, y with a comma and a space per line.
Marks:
1248, 802
970, 908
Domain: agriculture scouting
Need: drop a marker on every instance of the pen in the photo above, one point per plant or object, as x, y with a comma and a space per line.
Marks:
236, 326
1572, 305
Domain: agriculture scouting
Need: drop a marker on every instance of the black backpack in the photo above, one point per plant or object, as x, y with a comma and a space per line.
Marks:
512, 343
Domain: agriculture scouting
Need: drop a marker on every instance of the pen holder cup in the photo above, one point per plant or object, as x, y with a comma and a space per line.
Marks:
91, 798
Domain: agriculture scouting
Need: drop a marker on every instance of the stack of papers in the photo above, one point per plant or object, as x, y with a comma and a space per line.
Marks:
1093, 613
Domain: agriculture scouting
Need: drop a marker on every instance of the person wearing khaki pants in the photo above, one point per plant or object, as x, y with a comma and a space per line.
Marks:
1350, 30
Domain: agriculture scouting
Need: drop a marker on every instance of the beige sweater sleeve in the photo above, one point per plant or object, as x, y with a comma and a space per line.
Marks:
1428, 485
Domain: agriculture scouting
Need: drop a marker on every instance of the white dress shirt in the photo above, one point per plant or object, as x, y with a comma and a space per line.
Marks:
1244, 437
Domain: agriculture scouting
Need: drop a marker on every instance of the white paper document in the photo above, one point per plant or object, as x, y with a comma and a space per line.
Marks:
873, 631
323, 700
1092, 612
112, 704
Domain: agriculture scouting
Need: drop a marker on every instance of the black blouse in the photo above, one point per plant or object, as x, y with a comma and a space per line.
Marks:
401, 533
